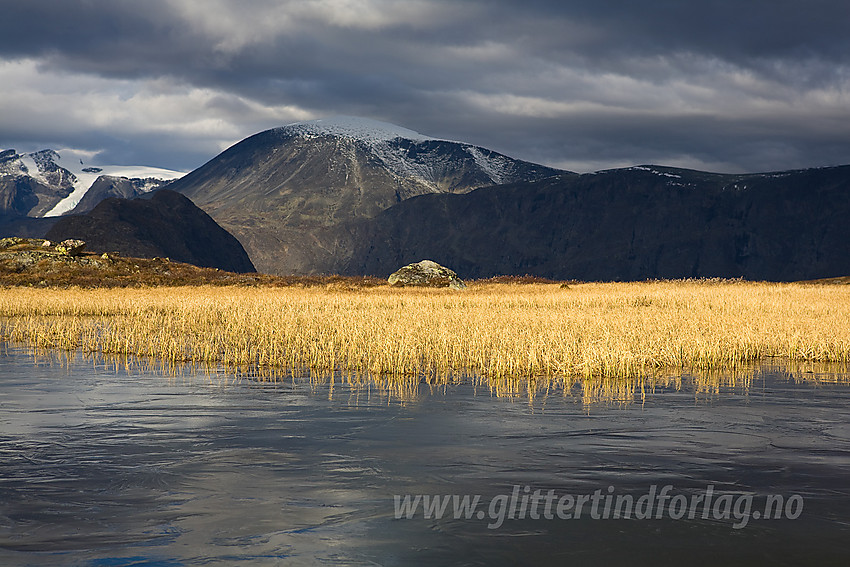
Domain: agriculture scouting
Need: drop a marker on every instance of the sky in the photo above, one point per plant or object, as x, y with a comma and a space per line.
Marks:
719, 85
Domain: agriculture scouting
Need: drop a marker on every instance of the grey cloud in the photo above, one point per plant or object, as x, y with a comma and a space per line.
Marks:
750, 85
730, 29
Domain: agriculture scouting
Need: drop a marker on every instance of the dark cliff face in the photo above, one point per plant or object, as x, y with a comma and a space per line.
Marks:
630, 224
166, 224
26, 196
17, 196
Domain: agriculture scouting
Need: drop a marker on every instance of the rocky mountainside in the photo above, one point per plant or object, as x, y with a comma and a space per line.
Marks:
49, 183
165, 224
627, 224
289, 193
32, 184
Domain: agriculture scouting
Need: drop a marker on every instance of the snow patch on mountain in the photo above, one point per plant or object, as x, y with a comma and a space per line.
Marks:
654, 171
73, 170
362, 129
30, 168
385, 141
86, 175
396, 161
496, 166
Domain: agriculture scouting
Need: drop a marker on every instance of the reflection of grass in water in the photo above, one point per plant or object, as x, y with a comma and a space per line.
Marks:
360, 387
618, 333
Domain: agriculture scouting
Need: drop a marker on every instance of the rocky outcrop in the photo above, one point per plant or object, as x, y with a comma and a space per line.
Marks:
35, 262
18, 255
11, 241
425, 274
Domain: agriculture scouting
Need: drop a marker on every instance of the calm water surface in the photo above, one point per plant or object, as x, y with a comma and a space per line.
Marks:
106, 467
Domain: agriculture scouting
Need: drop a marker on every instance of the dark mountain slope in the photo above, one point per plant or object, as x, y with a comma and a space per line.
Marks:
27, 227
166, 224
23, 195
631, 224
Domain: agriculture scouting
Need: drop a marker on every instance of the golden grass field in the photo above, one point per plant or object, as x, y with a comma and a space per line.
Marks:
614, 332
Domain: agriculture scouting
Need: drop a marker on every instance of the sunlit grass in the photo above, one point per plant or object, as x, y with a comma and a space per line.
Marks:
501, 332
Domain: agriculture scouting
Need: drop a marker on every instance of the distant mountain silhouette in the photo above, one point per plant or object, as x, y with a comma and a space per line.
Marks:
164, 224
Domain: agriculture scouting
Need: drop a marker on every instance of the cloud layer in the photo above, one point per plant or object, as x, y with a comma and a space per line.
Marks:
725, 86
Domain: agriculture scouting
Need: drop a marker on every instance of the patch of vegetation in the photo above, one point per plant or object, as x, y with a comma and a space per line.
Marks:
616, 331
520, 280
844, 280
31, 263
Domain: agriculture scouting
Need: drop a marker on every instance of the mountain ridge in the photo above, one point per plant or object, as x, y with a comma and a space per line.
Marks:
636, 223
280, 190
355, 196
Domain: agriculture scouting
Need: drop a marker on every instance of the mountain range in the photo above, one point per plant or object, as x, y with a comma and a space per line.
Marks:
354, 196
50, 183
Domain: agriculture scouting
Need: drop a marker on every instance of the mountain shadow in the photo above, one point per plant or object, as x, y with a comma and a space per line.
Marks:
162, 224
629, 224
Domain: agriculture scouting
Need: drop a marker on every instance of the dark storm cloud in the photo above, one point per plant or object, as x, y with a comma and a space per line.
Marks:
733, 28
584, 84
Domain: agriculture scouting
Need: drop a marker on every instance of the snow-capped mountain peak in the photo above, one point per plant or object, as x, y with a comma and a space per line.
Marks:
409, 155
62, 177
353, 127
292, 193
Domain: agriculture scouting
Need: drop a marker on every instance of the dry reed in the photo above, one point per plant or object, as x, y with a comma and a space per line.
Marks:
620, 331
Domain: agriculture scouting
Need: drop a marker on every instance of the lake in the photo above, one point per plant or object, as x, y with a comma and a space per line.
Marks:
106, 464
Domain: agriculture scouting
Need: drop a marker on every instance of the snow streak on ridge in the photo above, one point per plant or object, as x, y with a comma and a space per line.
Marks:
381, 138
363, 129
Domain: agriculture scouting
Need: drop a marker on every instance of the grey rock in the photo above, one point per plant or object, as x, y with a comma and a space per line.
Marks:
426, 274
71, 247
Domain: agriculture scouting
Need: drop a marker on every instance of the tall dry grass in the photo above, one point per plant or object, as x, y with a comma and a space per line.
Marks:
501, 331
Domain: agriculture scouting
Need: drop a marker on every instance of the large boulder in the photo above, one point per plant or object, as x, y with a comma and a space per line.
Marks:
426, 274
71, 247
